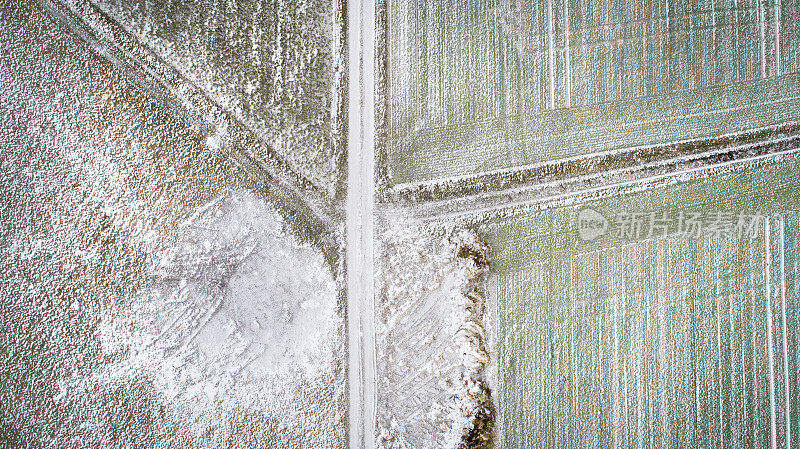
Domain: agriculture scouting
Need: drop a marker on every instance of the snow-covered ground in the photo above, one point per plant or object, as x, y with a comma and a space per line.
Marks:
149, 295
431, 338
239, 316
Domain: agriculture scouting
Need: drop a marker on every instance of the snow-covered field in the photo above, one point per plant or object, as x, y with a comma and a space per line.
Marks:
329, 224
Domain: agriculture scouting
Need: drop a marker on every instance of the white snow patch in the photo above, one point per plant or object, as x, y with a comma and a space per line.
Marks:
430, 339
239, 314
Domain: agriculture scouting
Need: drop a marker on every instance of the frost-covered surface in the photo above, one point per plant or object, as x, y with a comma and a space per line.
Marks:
98, 185
241, 317
479, 86
430, 338
665, 337
275, 65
